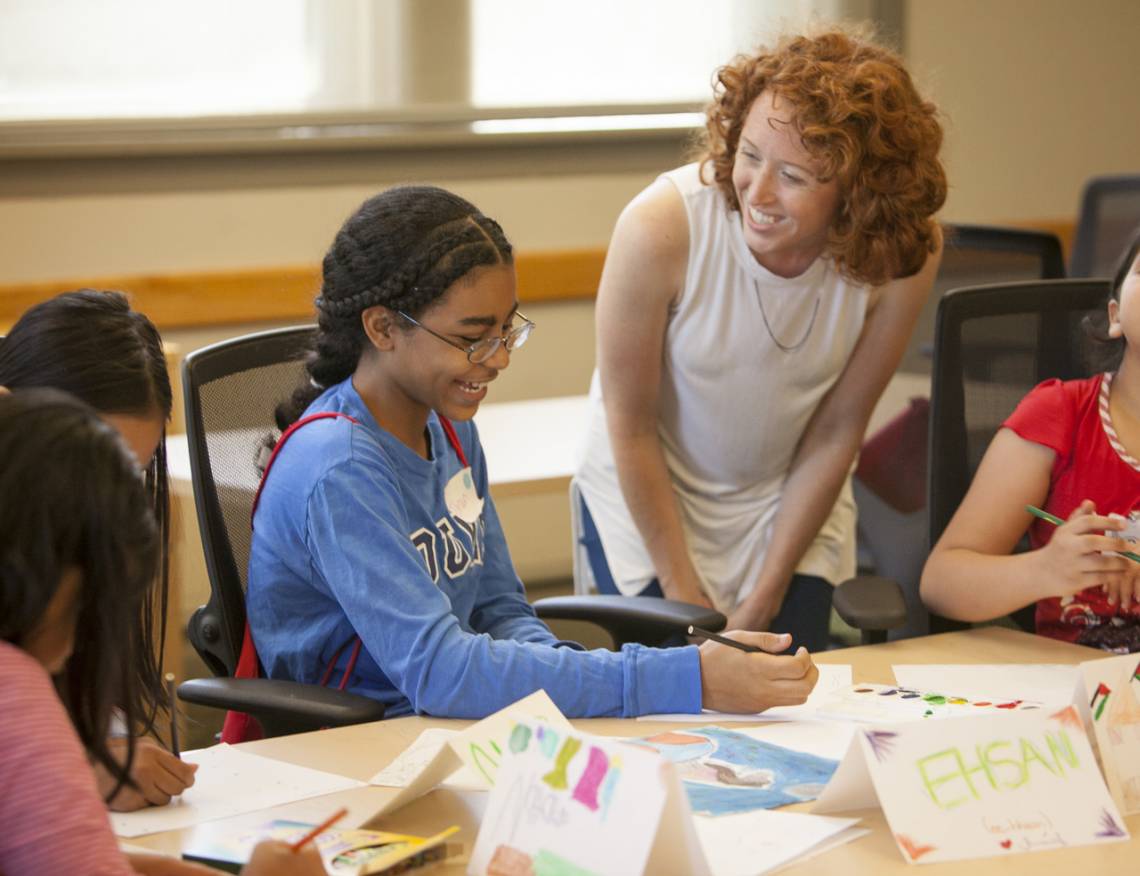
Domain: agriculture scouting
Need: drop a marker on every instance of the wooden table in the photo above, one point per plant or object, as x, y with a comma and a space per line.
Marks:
361, 751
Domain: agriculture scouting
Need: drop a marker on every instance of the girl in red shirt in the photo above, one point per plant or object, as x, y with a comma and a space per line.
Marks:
1071, 448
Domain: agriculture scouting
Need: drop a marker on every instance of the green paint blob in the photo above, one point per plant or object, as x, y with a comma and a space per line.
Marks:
934, 699
520, 738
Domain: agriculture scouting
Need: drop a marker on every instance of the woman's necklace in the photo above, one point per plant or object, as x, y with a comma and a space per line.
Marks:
787, 348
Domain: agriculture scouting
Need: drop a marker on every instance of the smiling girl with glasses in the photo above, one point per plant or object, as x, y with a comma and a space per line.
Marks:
378, 562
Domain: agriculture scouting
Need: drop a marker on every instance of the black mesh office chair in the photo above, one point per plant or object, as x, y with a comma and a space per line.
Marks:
992, 345
976, 255
1110, 212
231, 390
893, 543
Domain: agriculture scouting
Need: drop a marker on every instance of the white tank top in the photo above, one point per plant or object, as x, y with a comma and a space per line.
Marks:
733, 406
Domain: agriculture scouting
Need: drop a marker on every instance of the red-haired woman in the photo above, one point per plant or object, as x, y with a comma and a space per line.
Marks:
753, 306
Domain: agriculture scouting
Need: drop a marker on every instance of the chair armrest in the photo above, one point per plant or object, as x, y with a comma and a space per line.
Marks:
282, 706
645, 619
870, 604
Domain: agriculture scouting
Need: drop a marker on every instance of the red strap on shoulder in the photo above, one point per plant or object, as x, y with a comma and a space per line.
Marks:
285, 436
238, 726
449, 430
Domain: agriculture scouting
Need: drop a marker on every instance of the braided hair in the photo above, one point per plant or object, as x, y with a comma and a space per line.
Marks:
402, 249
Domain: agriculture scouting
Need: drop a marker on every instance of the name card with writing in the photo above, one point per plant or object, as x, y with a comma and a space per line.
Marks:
979, 787
566, 802
1112, 691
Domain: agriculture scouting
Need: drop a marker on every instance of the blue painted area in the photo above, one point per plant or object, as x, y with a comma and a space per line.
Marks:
752, 774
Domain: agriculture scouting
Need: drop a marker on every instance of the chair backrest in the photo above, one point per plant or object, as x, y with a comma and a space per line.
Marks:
977, 254
231, 390
1110, 212
992, 345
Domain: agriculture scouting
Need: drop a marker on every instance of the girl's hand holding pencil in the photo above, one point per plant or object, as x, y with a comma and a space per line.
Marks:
1085, 553
300, 858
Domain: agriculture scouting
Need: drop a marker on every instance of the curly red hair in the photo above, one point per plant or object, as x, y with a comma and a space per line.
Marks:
861, 118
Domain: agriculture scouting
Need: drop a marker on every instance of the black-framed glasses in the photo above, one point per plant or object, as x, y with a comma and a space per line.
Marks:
483, 350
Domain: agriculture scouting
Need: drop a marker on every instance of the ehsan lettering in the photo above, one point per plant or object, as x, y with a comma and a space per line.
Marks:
952, 777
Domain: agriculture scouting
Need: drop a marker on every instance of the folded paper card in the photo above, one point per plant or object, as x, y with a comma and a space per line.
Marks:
413, 759
980, 786
1112, 691
479, 749
570, 803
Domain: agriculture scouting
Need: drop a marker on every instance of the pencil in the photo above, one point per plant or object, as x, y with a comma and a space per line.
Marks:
1057, 521
170, 692
323, 826
723, 640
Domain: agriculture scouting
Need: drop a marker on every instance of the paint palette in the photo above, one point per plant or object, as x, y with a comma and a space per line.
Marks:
875, 703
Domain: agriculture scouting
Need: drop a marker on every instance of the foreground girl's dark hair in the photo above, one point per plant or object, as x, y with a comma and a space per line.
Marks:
72, 496
92, 345
401, 249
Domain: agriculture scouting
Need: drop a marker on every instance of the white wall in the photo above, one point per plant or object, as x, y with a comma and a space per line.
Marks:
1039, 95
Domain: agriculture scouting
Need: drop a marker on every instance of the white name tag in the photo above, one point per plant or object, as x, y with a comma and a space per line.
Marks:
461, 498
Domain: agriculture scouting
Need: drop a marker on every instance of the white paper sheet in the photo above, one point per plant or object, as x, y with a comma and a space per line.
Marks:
1052, 684
757, 842
832, 677
230, 782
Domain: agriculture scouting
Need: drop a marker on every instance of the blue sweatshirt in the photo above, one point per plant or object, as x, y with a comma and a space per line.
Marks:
352, 537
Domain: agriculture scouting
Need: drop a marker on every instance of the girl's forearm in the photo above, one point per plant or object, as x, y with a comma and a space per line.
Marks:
966, 585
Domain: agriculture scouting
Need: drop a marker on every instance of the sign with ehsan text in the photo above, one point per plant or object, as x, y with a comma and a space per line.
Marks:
979, 787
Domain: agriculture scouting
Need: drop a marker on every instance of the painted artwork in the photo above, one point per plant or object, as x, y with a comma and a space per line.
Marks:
724, 771
572, 804
879, 703
568, 804
1113, 689
979, 787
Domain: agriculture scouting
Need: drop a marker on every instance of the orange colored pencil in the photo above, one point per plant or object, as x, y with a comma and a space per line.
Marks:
323, 826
